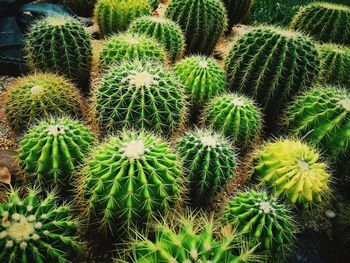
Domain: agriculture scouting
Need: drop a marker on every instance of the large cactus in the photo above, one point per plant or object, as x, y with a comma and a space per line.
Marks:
237, 10
202, 21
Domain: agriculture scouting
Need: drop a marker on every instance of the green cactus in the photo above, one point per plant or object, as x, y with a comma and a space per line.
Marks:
60, 45
237, 10
154, 3
202, 21
164, 30
38, 97
131, 46
335, 65
236, 116
264, 221
202, 77
191, 238
140, 95
128, 180
209, 161
114, 16
293, 170
324, 21
36, 230
272, 65
322, 117
51, 150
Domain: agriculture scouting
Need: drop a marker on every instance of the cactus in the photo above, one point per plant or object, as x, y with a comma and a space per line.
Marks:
51, 150
60, 45
209, 161
154, 3
36, 230
264, 221
202, 77
335, 65
38, 97
293, 170
140, 95
131, 46
164, 30
202, 21
322, 117
237, 10
324, 21
272, 65
113, 16
236, 116
128, 180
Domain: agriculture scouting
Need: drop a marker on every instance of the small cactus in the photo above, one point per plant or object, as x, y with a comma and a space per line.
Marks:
132, 47
202, 21
35, 230
163, 30
237, 10
293, 170
236, 116
38, 97
209, 162
202, 77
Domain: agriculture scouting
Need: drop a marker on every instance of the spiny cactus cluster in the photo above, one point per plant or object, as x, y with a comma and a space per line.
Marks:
324, 21
128, 180
36, 230
209, 162
114, 16
52, 149
292, 170
132, 47
140, 95
163, 30
237, 10
38, 97
202, 21
60, 45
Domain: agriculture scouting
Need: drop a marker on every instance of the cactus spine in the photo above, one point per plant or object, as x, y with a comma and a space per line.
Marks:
237, 10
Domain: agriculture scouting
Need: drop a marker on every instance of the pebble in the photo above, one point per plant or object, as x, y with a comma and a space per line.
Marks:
329, 213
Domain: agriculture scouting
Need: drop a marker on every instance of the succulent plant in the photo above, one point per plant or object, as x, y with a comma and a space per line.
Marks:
293, 170
202, 77
236, 116
272, 65
326, 22
132, 47
209, 161
52, 149
154, 3
163, 30
237, 10
61, 45
202, 21
140, 95
335, 65
37, 230
322, 117
128, 180
38, 97
114, 16
263, 220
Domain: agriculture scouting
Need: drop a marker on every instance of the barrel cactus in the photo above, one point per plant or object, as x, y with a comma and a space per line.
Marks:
60, 45
131, 46
140, 95
209, 161
236, 116
324, 21
202, 76
292, 170
114, 16
272, 65
52, 149
163, 30
335, 65
128, 180
263, 220
202, 21
37, 230
40, 96
322, 117
237, 10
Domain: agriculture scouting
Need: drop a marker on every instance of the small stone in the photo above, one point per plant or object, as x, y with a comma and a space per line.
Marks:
329, 213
